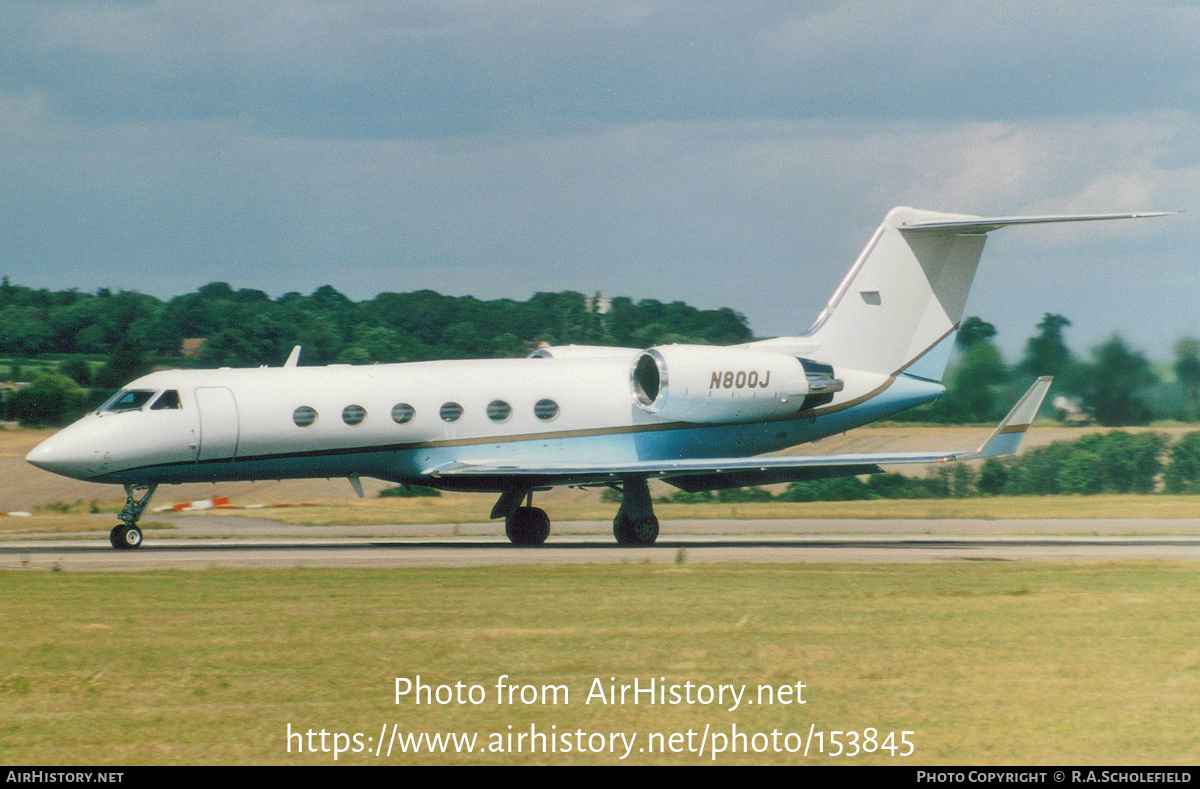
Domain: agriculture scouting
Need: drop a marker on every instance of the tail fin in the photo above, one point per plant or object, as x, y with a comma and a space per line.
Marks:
900, 305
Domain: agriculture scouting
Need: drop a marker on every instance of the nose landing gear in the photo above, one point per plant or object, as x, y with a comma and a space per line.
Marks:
126, 535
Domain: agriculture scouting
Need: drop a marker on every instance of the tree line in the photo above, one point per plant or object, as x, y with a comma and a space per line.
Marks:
104, 339
75, 348
1117, 386
249, 328
1113, 462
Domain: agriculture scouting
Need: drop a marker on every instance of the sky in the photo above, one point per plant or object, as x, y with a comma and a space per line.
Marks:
725, 154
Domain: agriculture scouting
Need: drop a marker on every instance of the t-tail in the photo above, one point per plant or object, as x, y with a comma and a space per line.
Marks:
899, 307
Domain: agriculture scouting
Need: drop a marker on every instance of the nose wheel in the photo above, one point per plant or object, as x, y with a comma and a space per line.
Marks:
126, 535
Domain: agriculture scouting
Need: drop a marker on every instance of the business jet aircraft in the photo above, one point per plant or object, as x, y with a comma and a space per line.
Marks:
697, 417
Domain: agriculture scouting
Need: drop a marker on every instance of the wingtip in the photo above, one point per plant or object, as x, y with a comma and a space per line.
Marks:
1006, 438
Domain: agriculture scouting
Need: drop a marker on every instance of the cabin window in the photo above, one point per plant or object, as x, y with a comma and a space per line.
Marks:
304, 416
545, 410
354, 414
168, 400
499, 411
451, 412
128, 400
403, 413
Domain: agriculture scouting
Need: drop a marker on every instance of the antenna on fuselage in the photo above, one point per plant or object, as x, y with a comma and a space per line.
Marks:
293, 358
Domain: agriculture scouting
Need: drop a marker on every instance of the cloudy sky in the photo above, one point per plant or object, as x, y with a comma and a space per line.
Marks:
721, 153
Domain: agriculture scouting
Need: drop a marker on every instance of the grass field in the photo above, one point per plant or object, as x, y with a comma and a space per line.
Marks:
988, 663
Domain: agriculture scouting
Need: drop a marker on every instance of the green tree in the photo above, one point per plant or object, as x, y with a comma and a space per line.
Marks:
126, 362
52, 399
973, 382
1130, 463
993, 477
78, 370
1081, 472
1047, 353
972, 331
1183, 472
1187, 372
1112, 382
229, 348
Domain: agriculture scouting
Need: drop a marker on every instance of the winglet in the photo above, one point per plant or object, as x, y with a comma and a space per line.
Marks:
293, 358
1007, 436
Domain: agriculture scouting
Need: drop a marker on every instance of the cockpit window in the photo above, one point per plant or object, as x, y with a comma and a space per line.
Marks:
128, 400
169, 399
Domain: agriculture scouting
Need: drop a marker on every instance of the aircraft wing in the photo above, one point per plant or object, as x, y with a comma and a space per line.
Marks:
710, 473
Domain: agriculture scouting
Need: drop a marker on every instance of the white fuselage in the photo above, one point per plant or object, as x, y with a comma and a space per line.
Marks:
307, 422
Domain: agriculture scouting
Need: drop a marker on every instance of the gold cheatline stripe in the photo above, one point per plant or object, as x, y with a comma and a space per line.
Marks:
877, 390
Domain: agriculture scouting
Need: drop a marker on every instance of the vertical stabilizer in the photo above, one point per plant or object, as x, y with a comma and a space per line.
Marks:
903, 298
900, 305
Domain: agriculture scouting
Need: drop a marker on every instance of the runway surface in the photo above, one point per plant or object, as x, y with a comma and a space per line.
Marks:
214, 542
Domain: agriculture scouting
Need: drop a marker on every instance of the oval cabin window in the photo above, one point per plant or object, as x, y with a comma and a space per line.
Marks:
545, 410
499, 411
304, 416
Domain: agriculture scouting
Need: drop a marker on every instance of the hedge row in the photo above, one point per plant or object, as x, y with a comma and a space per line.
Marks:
1115, 462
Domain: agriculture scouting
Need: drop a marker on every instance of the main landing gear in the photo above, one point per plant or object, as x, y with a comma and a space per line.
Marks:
635, 523
527, 525
126, 535
524, 525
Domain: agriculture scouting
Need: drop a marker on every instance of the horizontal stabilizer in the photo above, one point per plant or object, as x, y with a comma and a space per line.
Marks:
982, 224
906, 293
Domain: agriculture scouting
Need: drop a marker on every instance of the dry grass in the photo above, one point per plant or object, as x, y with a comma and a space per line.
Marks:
575, 506
473, 509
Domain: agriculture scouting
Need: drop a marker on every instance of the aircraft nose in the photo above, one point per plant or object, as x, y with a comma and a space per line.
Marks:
61, 455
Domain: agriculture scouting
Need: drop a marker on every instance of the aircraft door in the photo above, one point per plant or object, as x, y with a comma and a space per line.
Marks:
218, 423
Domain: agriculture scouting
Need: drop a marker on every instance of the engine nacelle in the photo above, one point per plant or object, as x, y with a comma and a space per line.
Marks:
699, 383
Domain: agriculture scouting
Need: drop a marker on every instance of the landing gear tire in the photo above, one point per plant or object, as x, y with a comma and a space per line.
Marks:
641, 531
527, 526
125, 537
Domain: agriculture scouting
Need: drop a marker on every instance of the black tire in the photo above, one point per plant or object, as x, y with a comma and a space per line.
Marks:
641, 532
529, 526
539, 528
125, 537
